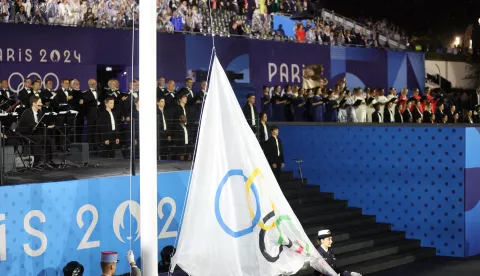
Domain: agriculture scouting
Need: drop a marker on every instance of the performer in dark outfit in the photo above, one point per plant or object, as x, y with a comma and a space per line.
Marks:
324, 248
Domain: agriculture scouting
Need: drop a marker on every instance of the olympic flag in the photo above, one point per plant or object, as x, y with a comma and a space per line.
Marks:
237, 220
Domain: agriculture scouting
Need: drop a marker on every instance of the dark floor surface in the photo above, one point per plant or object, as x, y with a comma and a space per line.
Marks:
437, 266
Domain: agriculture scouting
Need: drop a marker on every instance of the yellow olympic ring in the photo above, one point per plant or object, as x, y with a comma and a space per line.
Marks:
247, 190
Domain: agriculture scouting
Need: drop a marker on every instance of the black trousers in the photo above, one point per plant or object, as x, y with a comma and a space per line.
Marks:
277, 171
42, 148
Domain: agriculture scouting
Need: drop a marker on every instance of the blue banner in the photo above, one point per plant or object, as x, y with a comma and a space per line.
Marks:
45, 226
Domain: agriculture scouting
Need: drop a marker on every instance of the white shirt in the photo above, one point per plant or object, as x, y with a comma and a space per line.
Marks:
191, 93
186, 134
35, 116
112, 119
163, 119
66, 92
135, 95
278, 148
266, 132
253, 115
8, 93
392, 116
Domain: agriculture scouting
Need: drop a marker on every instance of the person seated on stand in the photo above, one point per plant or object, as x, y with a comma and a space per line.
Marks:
324, 248
182, 139
107, 127
26, 127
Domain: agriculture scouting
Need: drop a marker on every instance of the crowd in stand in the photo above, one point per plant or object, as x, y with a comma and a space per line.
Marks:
329, 33
294, 104
230, 17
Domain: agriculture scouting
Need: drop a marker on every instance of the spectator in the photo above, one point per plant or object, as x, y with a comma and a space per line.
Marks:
76, 10
103, 22
28, 8
311, 36
300, 33
21, 16
167, 24
189, 22
4, 11
38, 18
65, 13
89, 19
177, 21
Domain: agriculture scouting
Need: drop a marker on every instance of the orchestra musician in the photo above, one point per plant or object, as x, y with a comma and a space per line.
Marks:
27, 126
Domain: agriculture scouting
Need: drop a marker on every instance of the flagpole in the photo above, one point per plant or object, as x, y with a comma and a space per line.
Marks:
148, 136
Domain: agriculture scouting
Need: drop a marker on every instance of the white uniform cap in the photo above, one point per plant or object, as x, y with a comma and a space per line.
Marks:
324, 234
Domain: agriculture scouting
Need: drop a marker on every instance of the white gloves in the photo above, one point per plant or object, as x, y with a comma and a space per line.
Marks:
131, 257
355, 274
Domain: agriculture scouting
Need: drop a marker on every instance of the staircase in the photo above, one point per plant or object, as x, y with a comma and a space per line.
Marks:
360, 243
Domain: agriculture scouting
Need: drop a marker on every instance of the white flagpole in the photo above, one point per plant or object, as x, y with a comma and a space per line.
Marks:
148, 137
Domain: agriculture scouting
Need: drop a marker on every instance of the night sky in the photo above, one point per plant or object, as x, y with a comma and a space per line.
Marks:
417, 17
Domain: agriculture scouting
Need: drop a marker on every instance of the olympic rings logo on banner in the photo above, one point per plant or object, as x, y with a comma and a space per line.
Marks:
299, 246
17, 87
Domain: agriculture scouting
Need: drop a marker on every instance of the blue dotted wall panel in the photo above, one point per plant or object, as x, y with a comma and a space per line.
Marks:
411, 177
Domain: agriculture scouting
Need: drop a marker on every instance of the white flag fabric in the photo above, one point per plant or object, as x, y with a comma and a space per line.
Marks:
237, 221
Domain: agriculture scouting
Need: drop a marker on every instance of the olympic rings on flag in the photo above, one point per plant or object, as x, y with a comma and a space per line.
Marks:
248, 184
256, 218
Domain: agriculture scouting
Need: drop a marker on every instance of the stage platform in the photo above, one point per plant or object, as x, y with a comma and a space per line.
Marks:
97, 168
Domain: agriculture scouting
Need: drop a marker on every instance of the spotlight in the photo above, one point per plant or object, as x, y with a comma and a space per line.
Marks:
108, 69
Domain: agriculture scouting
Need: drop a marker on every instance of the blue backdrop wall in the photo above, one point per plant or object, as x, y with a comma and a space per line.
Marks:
411, 177
44, 226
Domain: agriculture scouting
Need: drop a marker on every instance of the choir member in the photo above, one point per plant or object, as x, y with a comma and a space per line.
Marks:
263, 130
417, 113
377, 115
266, 102
250, 112
199, 98
25, 94
164, 136
170, 98
161, 87
62, 96
183, 139
427, 114
107, 126
469, 118
440, 112
77, 104
91, 102
277, 104
388, 114
274, 153
398, 113
188, 91
407, 113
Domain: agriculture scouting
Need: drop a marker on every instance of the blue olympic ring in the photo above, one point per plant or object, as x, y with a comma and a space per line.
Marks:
256, 219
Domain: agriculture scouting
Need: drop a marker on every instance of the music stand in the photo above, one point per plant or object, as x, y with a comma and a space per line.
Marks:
65, 119
48, 119
6, 119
